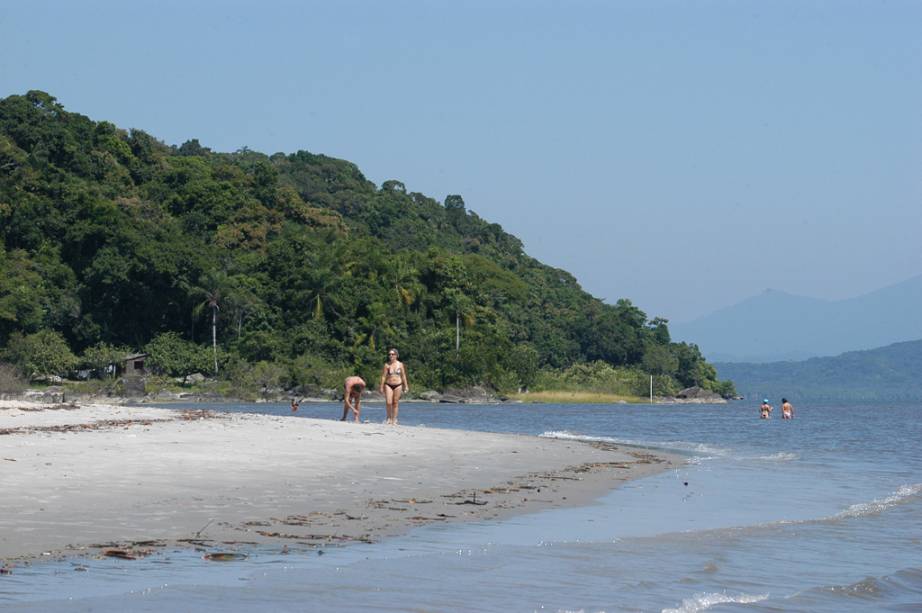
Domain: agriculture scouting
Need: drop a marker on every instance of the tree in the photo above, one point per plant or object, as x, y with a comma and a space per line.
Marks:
42, 354
406, 286
213, 291
523, 359
393, 185
462, 307
659, 330
101, 356
454, 202
20, 294
193, 147
170, 354
659, 360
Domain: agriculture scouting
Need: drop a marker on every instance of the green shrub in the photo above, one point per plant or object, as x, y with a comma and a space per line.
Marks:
311, 372
171, 355
102, 355
604, 378
43, 353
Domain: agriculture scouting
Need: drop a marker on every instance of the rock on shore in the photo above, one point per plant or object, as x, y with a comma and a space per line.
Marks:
695, 395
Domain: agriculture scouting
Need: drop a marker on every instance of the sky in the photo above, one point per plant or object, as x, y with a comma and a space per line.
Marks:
684, 155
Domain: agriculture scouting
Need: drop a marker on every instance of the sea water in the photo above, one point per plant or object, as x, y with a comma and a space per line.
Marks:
820, 513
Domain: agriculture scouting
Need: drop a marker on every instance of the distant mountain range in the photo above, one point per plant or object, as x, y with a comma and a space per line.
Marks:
779, 326
884, 374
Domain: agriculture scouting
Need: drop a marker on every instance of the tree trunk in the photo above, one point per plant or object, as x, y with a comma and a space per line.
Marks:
214, 338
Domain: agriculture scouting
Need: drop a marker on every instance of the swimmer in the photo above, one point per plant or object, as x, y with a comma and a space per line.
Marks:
765, 411
787, 409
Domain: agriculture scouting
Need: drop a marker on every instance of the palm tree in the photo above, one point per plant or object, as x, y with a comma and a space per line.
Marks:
214, 292
322, 281
463, 308
244, 302
406, 285
374, 323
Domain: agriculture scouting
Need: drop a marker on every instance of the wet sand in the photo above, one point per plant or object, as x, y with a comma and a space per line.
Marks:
101, 479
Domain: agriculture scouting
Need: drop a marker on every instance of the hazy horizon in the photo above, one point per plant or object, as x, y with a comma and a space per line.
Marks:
685, 156
768, 290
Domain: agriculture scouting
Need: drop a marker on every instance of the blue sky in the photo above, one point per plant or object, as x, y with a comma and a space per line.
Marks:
684, 155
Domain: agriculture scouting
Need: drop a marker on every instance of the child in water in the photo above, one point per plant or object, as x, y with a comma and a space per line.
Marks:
765, 411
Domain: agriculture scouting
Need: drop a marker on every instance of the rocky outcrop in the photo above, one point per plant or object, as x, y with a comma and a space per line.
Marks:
696, 395
469, 395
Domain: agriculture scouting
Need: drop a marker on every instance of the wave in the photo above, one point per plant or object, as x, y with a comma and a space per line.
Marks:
904, 494
704, 601
899, 591
781, 456
682, 446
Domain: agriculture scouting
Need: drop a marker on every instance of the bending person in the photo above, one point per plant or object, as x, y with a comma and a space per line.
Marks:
393, 384
352, 397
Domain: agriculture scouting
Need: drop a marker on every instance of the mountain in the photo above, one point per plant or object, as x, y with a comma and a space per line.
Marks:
284, 269
883, 374
780, 326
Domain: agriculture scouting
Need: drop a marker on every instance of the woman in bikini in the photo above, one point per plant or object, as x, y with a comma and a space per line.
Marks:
393, 384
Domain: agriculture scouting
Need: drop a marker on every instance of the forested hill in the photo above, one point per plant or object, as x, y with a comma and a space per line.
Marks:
888, 373
112, 240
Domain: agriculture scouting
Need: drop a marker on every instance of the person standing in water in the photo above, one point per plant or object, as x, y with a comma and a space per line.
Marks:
352, 397
787, 409
393, 384
765, 411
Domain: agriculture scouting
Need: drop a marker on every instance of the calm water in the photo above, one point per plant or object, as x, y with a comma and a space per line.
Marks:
823, 513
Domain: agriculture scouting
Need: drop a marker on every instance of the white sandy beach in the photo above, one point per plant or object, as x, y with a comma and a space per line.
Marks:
84, 479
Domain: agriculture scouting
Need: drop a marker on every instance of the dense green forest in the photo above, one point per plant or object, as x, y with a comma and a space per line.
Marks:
112, 241
888, 373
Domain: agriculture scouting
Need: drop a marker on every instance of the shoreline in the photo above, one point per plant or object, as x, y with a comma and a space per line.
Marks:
197, 397
84, 480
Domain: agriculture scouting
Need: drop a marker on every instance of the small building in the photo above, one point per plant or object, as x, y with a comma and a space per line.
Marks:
133, 365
